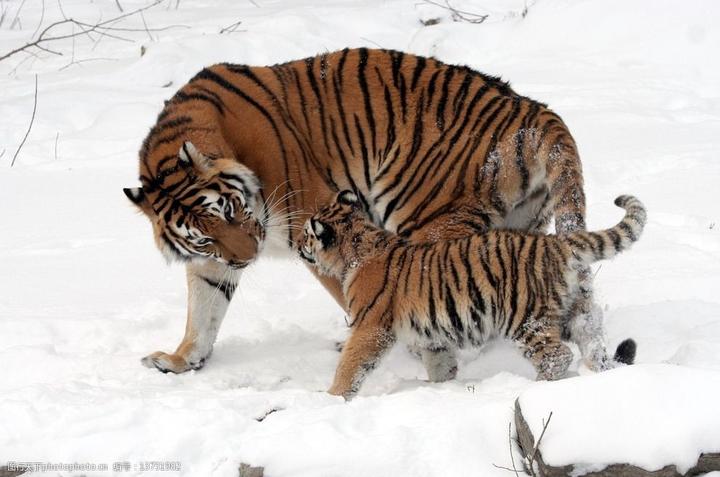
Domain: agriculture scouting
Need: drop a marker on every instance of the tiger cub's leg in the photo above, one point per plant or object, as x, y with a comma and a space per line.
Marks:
361, 353
587, 331
440, 363
210, 287
542, 345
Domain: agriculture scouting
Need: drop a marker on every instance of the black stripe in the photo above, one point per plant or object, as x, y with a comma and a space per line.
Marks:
341, 64
341, 111
182, 97
228, 289
363, 151
440, 117
309, 71
431, 89
419, 67
369, 116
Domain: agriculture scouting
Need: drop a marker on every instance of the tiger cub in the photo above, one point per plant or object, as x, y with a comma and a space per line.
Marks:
455, 293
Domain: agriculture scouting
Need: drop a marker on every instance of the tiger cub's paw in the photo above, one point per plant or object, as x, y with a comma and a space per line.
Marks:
347, 394
440, 364
170, 363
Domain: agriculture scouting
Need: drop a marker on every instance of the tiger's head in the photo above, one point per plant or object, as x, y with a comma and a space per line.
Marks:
326, 235
202, 208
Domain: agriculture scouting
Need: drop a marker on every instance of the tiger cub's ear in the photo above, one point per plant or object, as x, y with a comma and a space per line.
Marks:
347, 197
137, 196
323, 232
190, 156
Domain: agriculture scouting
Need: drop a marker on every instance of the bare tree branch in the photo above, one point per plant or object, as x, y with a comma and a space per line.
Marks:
27, 133
117, 2
57, 136
102, 28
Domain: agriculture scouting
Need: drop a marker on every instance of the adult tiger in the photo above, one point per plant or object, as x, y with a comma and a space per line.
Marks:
431, 150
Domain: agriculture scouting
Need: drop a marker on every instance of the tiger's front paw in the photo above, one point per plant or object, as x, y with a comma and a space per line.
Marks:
170, 363
346, 393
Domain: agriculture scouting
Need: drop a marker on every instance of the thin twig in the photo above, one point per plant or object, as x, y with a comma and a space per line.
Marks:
512, 458
531, 460
231, 28
147, 30
31, 56
86, 60
459, 15
17, 15
3, 13
2, 153
370, 41
27, 133
57, 136
117, 2
62, 12
42, 17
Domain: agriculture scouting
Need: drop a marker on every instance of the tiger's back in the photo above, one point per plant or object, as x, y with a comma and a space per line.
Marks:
418, 140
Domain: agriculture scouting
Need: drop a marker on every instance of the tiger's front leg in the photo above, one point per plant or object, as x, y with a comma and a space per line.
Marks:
210, 288
367, 345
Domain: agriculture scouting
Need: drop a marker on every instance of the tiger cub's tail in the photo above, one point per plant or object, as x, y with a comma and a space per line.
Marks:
590, 247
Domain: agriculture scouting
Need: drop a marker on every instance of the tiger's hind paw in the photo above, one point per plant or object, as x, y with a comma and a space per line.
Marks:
170, 363
440, 364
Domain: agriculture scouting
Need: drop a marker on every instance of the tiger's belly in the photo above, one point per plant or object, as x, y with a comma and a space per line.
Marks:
461, 331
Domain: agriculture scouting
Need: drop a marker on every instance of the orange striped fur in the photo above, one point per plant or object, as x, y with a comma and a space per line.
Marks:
456, 293
433, 151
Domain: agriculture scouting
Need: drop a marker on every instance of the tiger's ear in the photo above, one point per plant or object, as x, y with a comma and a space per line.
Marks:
347, 197
323, 232
190, 156
137, 196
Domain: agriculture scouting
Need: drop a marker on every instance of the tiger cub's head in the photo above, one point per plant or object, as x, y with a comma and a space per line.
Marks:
202, 208
325, 234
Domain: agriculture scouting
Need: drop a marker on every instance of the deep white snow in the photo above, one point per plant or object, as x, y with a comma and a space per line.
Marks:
84, 294
641, 415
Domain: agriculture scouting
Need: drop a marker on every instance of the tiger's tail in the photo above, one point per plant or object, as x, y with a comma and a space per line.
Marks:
590, 247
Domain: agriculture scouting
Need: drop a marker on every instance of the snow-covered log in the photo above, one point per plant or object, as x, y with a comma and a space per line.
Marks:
638, 421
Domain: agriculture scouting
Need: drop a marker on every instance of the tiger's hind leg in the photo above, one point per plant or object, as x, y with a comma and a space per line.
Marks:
210, 288
541, 344
367, 345
440, 363
587, 330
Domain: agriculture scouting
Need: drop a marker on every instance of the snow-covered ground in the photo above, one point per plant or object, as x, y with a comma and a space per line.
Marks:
84, 294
